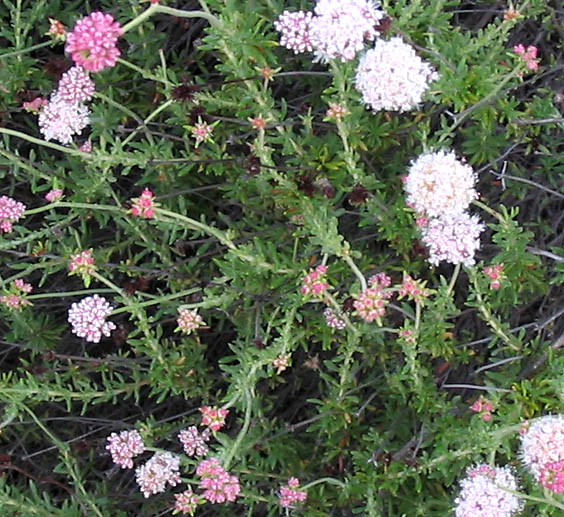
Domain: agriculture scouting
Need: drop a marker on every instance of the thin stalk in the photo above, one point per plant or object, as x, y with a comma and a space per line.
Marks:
25, 50
242, 432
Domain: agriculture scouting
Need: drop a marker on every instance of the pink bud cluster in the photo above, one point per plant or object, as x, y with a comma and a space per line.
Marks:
484, 408
144, 205
124, 447
282, 362
202, 132
54, 195
15, 298
82, 263
333, 321
218, 485
213, 417
35, 105
161, 469
75, 86
186, 502
495, 274
189, 320
529, 55
552, 476
93, 42
370, 304
10, 211
290, 496
413, 289
315, 283
57, 30
194, 442
88, 318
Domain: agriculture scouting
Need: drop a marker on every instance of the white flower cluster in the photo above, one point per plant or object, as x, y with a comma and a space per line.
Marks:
88, 318
484, 493
440, 188
336, 29
391, 76
543, 442
160, 469
65, 114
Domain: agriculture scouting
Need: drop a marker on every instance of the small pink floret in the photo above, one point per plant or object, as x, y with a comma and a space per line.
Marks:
213, 417
54, 195
10, 211
289, 495
144, 205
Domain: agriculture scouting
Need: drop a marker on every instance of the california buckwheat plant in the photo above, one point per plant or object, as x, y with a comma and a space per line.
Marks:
280, 258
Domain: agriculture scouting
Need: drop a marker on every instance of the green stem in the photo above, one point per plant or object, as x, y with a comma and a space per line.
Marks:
133, 306
26, 50
44, 143
66, 204
453, 279
330, 481
356, 271
144, 73
242, 432
489, 210
68, 293
143, 124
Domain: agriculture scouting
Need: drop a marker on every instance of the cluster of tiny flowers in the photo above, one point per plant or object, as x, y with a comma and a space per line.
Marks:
290, 496
336, 111
294, 31
333, 321
202, 132
124, 447
144, 205
189, 320
93, 42
438, 185
75, 86
61, 120
543, 443
57, 30
213, 417
552, 476
15, 298
391, 76
454, 239
86, 147
315, 283
82, 263
484, 493
370, 304
380, 280
529, 55
194, 443
54, 195
35, 105
495, 274
186, 502
484, 408
218, 485
88, 318
413, 289
10, 211
160, 469
281, 363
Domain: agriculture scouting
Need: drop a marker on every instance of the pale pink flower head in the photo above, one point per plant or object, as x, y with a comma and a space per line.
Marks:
194, 443
484, 493
380, 280
529, 55
75, 86
83, 264
495, 274
294, 30
88, 318
57, 30
187, 501
61, 120
392, 77
413, 289
290, 496
93, 42
36, 105
213, 417
189, 320
339, 27
54, 195
161, 469
86, 147
315, 282
124, 447
15, 297
332, 320
543, 443
144, 205
453, 238
282, 362
552, 476
10, 212
218, 485
202, 131
370, 304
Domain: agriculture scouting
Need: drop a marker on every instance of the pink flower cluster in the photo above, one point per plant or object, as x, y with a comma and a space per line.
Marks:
194, 443
552, 476
59, 120
529, 55
57, 30
218, 485
93, 42
282, 362
290, 496
186, 502
189, 320
202, 132
75, 86
54, 195
294, 28
144, 205
484, 408
88, 318
161, 469
333, 321
15, 298
370, 304
10, 211
315, 283
213, 417
82, 263
35, 105
495, 274
413, 289
124, 447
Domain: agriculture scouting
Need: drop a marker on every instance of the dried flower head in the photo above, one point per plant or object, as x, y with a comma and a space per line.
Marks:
75, 86
124, 447
161, 469
60, 120
391, 76
340, 27
294, 28
88, 318
10, 212
93, 42
484, 493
